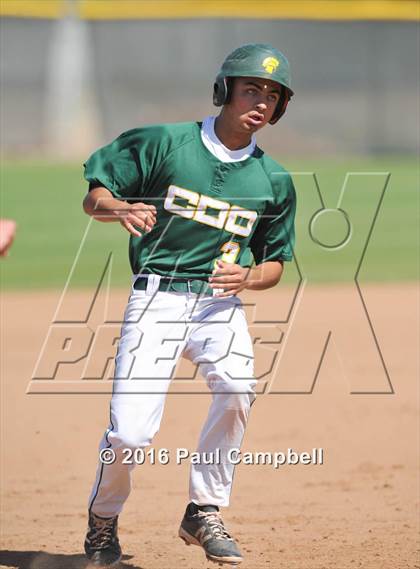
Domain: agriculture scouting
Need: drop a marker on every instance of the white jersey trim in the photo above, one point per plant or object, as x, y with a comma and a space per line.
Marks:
219, 150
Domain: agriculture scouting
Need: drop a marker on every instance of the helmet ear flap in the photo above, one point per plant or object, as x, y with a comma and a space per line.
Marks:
281, 106
221, 90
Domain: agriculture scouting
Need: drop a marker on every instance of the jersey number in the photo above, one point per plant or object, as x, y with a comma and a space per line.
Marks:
230, 251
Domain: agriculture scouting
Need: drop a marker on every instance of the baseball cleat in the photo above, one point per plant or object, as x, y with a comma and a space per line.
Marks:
206, 529
101, 544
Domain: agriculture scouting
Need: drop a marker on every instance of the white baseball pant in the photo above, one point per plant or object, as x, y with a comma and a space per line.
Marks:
158, 327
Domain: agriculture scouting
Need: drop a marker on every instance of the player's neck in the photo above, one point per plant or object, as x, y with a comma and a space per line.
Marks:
227, 134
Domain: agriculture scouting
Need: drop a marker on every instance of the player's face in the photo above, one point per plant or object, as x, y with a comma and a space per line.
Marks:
253, 102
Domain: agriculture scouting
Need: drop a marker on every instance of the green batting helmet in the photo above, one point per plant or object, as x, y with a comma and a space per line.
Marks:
255, 60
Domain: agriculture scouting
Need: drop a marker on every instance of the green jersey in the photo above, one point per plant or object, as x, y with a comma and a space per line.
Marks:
206, 209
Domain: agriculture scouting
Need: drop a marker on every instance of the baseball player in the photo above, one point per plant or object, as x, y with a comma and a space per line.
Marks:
197, 199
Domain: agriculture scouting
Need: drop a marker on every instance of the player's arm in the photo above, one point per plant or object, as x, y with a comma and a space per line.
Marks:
265, 275
103, 206
233, 278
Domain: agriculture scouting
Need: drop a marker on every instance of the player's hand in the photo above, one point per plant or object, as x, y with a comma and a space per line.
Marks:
138, 216
7, 234
230, 277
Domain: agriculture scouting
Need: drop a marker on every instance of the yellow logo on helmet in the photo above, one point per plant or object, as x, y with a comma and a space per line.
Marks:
270, 64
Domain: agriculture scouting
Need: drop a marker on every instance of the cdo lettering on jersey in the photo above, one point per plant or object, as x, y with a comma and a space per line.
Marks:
206, 209
198, 207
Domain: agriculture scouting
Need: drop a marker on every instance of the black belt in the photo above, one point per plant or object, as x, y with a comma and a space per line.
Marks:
195, 286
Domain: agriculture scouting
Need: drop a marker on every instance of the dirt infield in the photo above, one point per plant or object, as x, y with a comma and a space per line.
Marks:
359, 509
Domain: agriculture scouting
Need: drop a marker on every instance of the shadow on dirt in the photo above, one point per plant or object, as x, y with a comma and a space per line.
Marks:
43, 560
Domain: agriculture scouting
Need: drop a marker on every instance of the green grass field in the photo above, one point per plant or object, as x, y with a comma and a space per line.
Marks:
45, 200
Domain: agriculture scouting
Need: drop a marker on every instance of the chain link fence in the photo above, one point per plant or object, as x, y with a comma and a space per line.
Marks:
68, 85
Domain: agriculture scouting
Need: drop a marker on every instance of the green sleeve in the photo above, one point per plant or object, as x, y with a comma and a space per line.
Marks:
274, 237
125, 165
